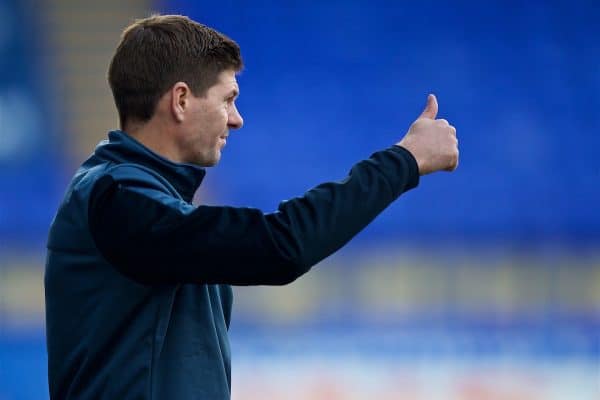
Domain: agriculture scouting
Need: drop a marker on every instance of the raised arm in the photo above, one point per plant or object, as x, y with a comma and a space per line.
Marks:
153, 239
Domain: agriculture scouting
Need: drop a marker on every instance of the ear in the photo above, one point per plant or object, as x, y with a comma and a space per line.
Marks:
180, 100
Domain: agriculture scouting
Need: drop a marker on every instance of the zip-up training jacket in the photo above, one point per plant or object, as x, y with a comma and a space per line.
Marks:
137, 280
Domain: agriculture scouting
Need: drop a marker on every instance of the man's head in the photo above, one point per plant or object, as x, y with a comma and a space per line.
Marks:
181, 73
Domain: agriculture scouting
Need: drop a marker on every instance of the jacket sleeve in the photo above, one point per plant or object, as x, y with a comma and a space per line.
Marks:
155, 239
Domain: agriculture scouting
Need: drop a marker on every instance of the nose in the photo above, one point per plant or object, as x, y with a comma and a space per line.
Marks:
235, 120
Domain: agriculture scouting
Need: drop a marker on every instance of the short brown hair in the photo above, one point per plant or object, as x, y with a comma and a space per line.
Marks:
156, 52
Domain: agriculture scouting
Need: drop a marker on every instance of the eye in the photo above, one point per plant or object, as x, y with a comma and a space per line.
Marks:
230, 99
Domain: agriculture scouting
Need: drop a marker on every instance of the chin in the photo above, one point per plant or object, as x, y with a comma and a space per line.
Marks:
209, 161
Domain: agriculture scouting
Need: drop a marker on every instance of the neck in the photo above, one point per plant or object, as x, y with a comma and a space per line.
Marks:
156, 137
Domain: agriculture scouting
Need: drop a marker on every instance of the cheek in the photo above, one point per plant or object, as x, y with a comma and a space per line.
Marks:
219, 119
225, 114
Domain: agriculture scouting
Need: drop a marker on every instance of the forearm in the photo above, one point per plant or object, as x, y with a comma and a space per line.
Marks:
324, 219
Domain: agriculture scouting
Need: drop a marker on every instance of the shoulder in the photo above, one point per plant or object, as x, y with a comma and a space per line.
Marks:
89, 180
128, 175
126, 185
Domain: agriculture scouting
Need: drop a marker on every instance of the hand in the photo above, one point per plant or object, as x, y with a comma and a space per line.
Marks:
432, 141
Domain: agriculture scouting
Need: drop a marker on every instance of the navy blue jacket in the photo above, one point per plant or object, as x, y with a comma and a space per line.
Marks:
138, 295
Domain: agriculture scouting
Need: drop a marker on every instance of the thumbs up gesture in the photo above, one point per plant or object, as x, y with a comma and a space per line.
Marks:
432, 141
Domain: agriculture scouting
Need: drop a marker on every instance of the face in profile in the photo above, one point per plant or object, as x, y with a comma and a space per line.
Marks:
208, 119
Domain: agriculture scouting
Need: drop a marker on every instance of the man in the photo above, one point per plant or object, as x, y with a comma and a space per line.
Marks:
138, 296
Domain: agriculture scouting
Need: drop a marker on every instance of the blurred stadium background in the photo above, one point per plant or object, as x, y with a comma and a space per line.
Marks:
480, 285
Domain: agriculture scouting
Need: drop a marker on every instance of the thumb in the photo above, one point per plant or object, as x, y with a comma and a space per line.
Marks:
431, 108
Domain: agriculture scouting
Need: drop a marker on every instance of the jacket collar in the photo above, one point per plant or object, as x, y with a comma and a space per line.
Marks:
121, 148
